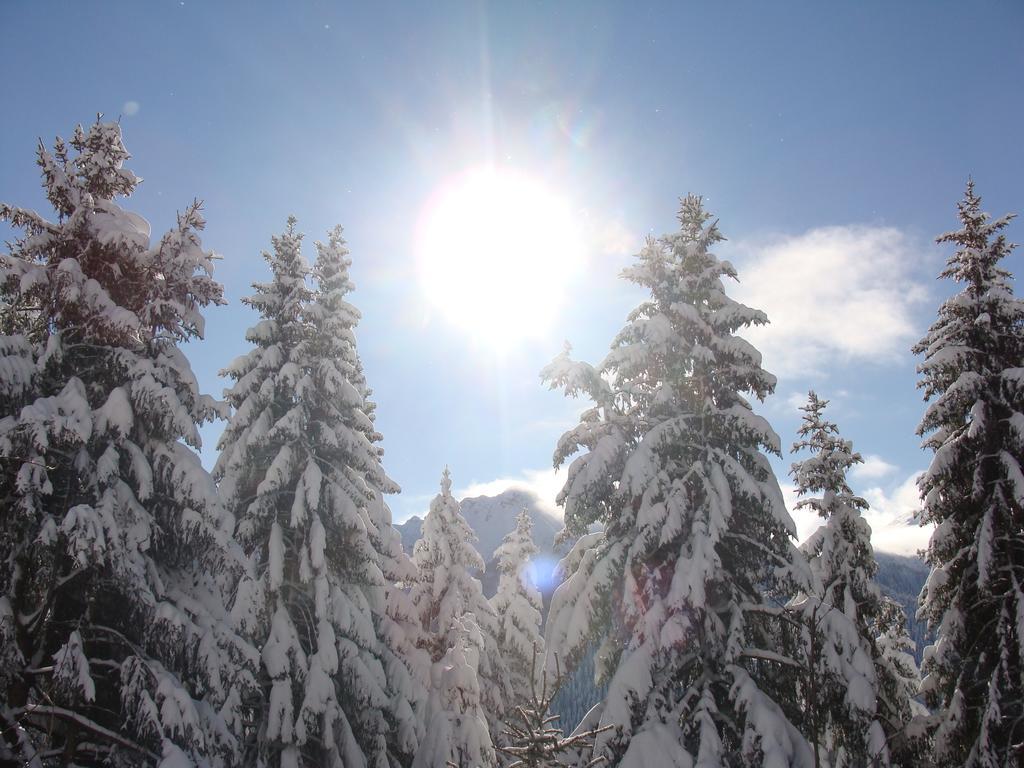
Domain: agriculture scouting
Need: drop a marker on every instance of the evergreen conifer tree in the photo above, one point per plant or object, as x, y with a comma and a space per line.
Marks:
333, 321
685, 585
858, 679
114, 638
299, 468
447, 597
973, 492
518, 606
457, 732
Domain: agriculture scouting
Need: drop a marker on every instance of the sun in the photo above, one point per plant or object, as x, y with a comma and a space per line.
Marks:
496, 250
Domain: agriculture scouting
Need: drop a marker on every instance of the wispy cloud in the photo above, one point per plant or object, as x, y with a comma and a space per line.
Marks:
873, 468
831, 294
796, 400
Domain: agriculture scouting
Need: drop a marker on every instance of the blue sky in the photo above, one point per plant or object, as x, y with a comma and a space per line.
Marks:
832, 139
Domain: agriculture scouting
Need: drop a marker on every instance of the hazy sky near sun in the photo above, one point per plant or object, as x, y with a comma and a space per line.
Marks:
832, 139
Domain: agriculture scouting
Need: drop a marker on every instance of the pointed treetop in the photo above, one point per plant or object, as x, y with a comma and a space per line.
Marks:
524, 523
92, 178
517, 547
288, 246
336, 250
977, 330
331, 272
975, 261
817, 432
692, 218
825, 471
815, 405
336, 238
100, 162
288, 242
446, 482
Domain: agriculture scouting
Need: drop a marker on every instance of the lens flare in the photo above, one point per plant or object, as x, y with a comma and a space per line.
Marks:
543, 572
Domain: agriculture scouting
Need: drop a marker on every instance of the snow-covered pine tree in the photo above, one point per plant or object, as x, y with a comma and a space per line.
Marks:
300, 471
685, 584
447, 593
407, 668
973, 492
406, 661
518, 606
857, 683
899, 680
457, 732
116, 645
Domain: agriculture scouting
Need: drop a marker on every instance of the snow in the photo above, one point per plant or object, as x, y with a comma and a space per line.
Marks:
657, 746
71, 665
853, 638
274, 612
447, 594
275, 557
672, 467
518, 607
457, 729
144, 520
969, 373
300, 471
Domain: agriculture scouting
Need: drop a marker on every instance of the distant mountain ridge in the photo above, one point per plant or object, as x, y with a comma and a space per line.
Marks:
902, 578
491, 518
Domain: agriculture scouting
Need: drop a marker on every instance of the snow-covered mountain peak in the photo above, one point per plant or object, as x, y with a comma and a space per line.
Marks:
492, 517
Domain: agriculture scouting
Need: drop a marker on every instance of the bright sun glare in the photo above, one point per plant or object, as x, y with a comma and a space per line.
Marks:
496, 249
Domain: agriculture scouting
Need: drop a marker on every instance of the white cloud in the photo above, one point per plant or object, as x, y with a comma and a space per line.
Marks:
892, 517
796, 401
873, 468
806, 520
831, 294
790, 404
542, 483
130, 108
